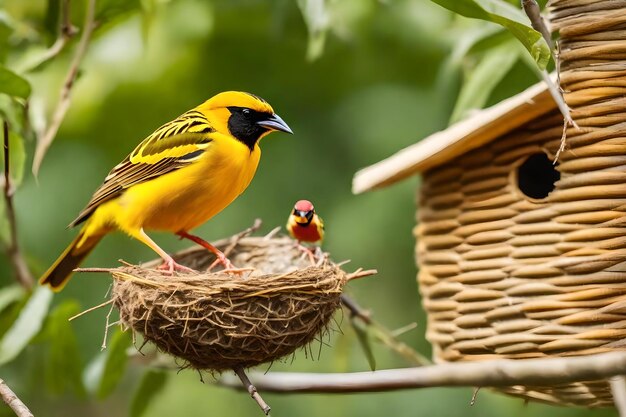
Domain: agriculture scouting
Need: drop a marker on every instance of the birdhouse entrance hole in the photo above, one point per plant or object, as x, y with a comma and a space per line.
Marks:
536, 177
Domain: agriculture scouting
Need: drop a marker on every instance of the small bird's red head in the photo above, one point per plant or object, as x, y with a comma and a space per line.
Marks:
303, 205
303, 211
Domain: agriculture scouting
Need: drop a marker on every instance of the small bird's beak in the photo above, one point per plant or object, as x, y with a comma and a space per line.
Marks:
303, 217
274, 122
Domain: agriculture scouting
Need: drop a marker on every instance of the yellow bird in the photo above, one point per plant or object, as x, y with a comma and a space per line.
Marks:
179, 177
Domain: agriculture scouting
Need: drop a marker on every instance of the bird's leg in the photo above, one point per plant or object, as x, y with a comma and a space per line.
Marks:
220, 257
320, 255
168, 262
306, 251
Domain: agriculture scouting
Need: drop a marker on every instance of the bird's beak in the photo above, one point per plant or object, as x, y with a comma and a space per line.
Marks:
303, 217
274, 122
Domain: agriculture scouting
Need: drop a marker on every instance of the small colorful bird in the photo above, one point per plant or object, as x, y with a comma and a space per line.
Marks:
179, 177
305, 225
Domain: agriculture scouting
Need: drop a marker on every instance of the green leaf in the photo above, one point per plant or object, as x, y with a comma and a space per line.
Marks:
12, 84
362, 333
472, 41
12, 299
6, 29
26, 326
508, 16
152, 383
115, 363
10, 295
93, 373
11, 111
493, 67
63, 364
317, 20
110, 10
52, 17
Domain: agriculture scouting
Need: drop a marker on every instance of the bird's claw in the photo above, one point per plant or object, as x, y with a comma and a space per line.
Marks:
238, 271
170, 266
321, 256
229, 268
307, 251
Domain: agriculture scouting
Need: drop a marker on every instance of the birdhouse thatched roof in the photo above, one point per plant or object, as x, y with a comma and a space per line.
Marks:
440, 147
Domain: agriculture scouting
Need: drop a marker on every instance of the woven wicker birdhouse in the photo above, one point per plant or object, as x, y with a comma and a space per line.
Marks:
519, 257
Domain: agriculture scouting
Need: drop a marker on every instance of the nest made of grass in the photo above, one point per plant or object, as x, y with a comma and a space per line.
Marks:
217, 321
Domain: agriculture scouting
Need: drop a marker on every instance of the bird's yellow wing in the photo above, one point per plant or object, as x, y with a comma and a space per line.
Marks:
171, 147
320, 227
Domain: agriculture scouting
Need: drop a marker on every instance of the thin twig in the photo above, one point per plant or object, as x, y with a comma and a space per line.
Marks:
342, 263
115, 323
538, 23
89, 310
383, 334
488, 373
272, 233
128, 264
106, 328
12, 400
474, 396
360, 273
533, 11
107, 270
404, 329
45, 140
244, 233
557, 95
355, 309
618, 389
66, 33
22, 272
252, 390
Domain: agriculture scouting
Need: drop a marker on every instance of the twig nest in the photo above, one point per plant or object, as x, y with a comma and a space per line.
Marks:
218, 321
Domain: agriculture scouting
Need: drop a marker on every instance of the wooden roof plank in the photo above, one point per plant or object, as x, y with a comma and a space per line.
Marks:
440, 147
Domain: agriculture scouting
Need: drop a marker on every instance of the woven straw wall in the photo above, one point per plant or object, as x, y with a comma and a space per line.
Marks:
504, 275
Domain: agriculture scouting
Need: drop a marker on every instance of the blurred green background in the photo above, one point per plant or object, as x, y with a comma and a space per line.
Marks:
364, 80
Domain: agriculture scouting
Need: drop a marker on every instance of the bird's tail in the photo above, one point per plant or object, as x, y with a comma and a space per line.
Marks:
61, 270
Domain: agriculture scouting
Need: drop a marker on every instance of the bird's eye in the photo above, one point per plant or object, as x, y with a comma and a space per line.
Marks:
246, 112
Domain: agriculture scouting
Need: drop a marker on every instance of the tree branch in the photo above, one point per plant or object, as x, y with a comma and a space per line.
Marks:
45, 140
66, 33
9, 397
491, 373
384, 335
252, 390
14, 253
533, 11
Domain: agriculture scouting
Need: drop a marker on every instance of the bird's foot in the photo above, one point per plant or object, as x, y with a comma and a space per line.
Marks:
219, 255
320, 255
308, 252
228, 265
170, 265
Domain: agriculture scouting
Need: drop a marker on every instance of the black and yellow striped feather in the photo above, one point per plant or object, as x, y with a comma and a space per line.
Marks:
171, 147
